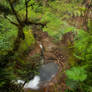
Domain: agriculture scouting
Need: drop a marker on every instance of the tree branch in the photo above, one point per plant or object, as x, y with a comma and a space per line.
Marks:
11, 21
26, 4
14, 12
36, 23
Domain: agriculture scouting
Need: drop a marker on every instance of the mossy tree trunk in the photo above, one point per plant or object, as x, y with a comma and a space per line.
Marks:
21, 24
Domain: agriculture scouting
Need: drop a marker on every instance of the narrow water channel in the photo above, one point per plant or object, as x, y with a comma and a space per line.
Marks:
46, 73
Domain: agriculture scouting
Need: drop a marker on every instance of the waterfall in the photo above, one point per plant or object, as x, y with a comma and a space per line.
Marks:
33, 84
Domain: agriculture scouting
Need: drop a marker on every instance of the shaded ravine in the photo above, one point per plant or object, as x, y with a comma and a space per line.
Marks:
56, 53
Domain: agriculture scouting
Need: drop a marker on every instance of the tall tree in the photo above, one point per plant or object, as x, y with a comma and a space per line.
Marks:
20, 23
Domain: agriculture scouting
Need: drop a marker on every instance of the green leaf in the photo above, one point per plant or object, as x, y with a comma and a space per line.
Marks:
77, 73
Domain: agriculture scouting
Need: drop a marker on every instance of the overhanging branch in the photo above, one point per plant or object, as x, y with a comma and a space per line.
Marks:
26, 4
35, 23
11, 21
14, 12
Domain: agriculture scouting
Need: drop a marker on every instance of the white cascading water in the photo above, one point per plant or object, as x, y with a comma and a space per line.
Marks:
41, 46
20, 81
46, 73
33, 84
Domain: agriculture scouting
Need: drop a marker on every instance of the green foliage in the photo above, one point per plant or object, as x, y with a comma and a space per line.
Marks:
76, 73
6, 75
90, 25
55, 27
83, 53
72, 60
56, 15
66, 9
4, 7
8, 33
71, 84
34, 16
76, 78
33, 10
29, 40
83, 45
28, 70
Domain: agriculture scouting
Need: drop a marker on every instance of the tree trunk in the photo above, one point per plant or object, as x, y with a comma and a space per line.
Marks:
20, 36
14, 11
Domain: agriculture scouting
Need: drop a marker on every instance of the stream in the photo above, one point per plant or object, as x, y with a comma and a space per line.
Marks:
46, 73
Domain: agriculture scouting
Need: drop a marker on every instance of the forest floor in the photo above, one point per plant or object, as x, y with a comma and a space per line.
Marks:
53, 52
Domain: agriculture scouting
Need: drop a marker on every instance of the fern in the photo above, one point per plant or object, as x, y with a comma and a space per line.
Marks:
83, 45
71, 8
76, 73
8, 33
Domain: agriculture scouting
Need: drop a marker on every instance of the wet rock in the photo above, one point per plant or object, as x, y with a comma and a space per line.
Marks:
48, 71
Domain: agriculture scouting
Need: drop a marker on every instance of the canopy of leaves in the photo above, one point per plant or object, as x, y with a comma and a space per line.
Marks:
8, 33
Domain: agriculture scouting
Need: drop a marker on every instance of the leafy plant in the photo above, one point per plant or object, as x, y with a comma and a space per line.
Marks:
76, 76
56, 27
76, 73
8, 33
83, 45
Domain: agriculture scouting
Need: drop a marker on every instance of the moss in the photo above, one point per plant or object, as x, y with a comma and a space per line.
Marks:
28, 42
72, 61
25, 45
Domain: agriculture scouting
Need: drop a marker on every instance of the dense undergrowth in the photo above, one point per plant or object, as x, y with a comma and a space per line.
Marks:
17, 19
